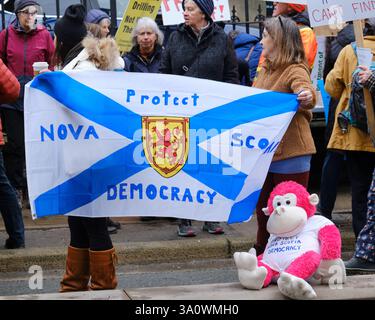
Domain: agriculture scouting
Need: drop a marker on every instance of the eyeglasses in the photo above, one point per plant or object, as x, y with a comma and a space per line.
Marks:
28, 13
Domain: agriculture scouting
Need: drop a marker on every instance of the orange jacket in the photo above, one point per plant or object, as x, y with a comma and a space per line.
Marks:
9, 89
309, 43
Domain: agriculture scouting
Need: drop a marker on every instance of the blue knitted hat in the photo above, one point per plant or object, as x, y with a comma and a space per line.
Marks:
207, 7
20, 4
95, 16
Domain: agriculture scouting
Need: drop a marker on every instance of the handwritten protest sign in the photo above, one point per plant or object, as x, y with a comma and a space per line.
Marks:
333, 12
134, 11
292, 1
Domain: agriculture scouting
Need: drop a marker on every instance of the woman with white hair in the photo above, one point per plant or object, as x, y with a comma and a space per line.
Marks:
145, 54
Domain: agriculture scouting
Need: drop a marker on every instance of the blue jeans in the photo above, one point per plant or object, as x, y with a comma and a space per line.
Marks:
365, 247
331, 171
9, 209
360, 168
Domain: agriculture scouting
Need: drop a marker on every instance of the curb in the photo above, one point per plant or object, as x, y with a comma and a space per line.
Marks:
144, 252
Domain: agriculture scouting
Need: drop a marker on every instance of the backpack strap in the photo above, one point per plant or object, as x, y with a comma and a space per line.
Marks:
250, 53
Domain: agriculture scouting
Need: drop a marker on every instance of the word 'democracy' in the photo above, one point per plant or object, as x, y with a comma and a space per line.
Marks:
333, 12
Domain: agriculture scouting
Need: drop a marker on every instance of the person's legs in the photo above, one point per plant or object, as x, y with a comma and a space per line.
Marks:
102, 254
332, 168
98, 235
79, 237
360, 168
77, 269
14, 150
365, 247
10, 211
364, 255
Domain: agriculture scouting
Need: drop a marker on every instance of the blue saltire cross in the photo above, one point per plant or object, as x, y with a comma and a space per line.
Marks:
113, 169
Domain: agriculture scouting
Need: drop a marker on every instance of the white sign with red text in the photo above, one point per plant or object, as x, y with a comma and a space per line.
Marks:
291, 1
333, 12
172, 11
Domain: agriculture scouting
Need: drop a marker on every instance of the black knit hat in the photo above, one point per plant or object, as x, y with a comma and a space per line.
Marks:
206, 6
20, 4
71, 29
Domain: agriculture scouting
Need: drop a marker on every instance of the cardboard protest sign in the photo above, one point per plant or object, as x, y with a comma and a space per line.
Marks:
134, 11
333, 12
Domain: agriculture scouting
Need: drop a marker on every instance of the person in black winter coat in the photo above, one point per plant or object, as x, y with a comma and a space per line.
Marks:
199, 48
334, 159
146, 52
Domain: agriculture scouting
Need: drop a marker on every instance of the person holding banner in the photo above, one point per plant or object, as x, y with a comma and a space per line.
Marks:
91, 252
97, 31
147, 40
21, 44
9, 208
99, 17
355, 143
285, 70
199, 48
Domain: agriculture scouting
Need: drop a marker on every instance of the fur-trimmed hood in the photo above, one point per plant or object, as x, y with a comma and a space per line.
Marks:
102, 54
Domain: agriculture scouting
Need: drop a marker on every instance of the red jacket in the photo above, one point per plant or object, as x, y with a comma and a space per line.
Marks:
9, 89
23, 49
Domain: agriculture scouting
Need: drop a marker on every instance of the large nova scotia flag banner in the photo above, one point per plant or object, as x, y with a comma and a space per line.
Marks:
128, 144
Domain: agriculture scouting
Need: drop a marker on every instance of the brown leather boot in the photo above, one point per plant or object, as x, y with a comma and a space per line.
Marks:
77, 271
102, 269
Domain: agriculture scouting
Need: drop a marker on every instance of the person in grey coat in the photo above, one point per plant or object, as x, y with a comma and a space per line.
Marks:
201, 49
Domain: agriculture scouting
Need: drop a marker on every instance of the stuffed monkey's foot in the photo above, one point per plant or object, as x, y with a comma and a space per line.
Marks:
249, 274
294, 287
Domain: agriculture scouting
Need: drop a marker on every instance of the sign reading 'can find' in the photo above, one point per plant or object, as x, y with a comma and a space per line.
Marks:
333, 12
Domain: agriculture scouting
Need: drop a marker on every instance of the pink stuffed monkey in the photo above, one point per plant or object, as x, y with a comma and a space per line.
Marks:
301, 246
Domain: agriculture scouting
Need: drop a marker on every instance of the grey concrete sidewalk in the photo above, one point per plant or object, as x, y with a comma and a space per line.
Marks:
356, 287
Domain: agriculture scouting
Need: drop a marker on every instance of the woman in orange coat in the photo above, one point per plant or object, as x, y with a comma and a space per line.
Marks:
298, 13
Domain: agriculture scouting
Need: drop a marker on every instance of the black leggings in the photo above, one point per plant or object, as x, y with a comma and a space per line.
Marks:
89, 233
14, 150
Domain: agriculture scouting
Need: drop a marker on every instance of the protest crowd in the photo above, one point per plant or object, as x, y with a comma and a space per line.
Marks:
281, 61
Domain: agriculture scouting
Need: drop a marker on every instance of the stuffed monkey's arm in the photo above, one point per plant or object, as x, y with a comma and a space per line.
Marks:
330, 242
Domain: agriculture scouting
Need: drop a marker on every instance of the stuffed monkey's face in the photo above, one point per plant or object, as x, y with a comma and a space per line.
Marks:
287, 219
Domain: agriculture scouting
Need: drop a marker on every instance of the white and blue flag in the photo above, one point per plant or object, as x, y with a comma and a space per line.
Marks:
128, 144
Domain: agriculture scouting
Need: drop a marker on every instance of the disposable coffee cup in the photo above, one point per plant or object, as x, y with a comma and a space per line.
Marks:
38, 66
